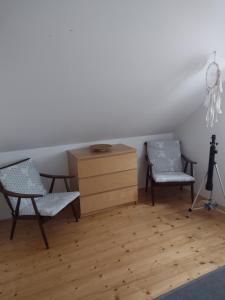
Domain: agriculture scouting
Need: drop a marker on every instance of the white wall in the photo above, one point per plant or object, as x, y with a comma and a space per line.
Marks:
77, 70
53, 160
195, 137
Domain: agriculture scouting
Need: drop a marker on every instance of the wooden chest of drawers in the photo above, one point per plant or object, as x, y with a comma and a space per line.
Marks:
104, 179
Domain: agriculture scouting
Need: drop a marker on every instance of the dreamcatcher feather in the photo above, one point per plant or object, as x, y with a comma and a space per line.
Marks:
214, 92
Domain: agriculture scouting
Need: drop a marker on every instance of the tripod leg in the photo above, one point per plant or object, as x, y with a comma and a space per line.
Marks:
199, 191
220, 210
196, 197
220, 180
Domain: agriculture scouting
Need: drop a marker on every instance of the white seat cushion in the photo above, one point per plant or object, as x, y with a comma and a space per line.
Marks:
50, 204
172, 177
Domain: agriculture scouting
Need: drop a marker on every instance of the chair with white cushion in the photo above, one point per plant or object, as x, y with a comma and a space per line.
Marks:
165, 165
27, 198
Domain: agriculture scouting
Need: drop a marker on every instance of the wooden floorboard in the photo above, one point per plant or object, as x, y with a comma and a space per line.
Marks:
132, 252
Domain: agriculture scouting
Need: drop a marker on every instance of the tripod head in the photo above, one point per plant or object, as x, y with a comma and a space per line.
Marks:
213, 140
212, 152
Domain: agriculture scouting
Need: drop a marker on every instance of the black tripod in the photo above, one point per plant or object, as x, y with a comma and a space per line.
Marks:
210, 203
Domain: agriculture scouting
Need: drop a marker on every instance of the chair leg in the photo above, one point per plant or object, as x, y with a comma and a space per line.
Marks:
13, 227
40, 223
147, 179
78, 207
15, 216
153, 195
74, 210
43, 233
192, 192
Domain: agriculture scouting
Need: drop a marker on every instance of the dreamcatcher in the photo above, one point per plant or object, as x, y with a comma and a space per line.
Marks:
214, 91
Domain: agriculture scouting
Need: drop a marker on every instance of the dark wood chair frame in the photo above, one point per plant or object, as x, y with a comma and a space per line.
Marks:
149, 176
75, 205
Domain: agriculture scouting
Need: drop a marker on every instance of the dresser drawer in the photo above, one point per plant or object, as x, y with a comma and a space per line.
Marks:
104, 165
104, 179
100, 201
107, 182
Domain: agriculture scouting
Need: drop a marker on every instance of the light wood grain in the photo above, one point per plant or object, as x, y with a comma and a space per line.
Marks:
96, 202
72, 166
108, 182
98, 173
106, 165
127, 253
86, 153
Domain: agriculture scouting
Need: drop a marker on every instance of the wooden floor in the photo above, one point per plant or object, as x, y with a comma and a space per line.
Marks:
131, 252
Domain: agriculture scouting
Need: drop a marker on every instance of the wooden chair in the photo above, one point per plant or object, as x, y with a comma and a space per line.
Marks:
28, 199
165, 166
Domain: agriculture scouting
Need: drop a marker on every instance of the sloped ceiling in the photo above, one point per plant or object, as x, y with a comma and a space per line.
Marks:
77, 70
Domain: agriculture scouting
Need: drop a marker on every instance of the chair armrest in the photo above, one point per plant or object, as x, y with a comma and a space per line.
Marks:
54, 177
150, 165
149, 162
188, 160
57, 176
20, 195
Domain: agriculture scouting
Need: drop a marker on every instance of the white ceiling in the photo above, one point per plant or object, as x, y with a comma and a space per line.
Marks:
77, 70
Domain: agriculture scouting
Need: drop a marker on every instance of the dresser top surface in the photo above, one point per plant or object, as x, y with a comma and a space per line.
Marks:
86, 153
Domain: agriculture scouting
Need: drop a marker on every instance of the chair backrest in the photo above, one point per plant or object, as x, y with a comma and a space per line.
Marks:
21, 177
165, 155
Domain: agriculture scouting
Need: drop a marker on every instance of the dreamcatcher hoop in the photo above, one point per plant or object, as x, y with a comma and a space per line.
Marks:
213, 92
217, 72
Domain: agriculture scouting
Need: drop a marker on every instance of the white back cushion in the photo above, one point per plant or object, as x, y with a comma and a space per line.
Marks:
22, 178
165, 155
